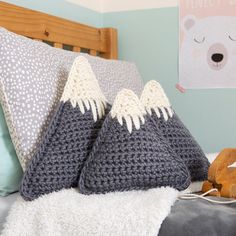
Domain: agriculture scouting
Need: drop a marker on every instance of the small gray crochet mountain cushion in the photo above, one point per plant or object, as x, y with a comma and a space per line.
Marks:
184, 145
122, 161
60, 158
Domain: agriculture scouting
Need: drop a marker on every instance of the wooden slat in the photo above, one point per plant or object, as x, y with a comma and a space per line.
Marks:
42, 26
93, 52
76, 49
58, 45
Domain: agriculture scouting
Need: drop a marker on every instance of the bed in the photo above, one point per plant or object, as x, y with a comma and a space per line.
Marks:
195, 217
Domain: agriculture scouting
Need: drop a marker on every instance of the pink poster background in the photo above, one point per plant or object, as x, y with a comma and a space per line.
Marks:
207, 55
204, 8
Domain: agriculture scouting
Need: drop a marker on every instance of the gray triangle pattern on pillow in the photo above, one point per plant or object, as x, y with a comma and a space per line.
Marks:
130, 154
70, 136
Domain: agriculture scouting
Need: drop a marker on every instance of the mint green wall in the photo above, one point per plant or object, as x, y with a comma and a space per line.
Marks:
150, 38
63, 9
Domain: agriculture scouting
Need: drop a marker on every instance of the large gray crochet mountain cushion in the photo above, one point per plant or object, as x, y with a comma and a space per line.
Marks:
70, 136
61, 156
178, 136
123, 160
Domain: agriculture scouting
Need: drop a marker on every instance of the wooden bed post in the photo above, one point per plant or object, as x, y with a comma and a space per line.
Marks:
111, 36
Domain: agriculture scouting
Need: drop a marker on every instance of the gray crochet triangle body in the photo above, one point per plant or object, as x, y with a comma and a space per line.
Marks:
184, 145
121, 161
59, 160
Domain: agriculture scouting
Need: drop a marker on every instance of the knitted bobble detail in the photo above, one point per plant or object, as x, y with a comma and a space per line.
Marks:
154, 98
82, 89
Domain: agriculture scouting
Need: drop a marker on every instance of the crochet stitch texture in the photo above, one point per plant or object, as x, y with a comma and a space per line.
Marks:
125, 159
70, 136
179, 137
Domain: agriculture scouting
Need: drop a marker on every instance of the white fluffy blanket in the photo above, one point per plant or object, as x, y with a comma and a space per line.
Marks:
69, 213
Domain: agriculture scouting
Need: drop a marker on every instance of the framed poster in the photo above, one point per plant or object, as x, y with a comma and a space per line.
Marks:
207, 53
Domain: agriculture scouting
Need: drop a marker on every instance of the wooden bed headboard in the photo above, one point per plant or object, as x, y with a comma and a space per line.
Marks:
59, 32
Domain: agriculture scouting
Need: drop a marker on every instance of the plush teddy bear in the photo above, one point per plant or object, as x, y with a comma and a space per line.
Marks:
222, 175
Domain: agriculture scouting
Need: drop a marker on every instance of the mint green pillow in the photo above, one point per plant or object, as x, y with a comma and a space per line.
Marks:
10, 168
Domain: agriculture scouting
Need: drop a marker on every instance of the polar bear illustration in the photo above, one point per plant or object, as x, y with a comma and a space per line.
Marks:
208, 52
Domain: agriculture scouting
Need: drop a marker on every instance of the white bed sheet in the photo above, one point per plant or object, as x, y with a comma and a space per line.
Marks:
5, 205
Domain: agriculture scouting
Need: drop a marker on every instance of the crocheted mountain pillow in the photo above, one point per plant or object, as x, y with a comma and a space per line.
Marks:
32, 79
180, 139
130, 154
70, 136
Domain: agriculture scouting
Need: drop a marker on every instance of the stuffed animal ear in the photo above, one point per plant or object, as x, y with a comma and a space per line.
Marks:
188, 22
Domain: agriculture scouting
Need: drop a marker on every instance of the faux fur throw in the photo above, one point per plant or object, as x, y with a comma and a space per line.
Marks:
69, 213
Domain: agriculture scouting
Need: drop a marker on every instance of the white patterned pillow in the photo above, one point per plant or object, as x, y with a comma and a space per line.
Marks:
32, 78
